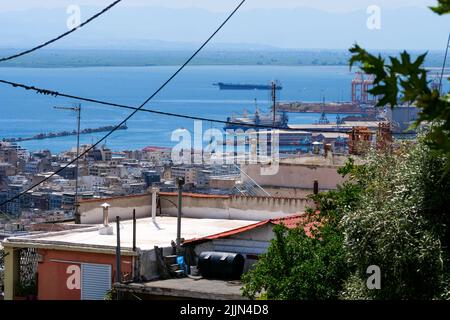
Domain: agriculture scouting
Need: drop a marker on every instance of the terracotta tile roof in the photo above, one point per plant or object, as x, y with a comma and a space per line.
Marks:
155, 148
309, 223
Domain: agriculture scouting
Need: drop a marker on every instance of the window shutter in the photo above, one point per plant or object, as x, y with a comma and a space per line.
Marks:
95, 281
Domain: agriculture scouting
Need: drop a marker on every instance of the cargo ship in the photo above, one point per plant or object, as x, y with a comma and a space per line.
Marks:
258, 119
244, 86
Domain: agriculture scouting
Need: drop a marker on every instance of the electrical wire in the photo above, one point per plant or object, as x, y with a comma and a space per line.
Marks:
65, 34
136, 109
163, 113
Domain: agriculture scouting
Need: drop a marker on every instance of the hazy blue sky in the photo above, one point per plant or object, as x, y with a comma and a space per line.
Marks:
220, 5
299, 24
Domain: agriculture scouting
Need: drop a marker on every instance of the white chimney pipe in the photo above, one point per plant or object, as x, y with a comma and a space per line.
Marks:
105, 207
107, 229
154, 193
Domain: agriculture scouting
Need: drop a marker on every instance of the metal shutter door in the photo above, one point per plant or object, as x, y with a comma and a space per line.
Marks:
95, 281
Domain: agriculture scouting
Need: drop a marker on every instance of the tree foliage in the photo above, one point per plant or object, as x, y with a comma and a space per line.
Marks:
299, 267
393, 211
442, 7
401, 225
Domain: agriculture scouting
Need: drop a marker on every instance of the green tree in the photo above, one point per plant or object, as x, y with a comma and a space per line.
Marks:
401, 225
301, 266
393, 211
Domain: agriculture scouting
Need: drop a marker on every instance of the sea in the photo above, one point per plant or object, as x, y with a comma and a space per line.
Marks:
25, 113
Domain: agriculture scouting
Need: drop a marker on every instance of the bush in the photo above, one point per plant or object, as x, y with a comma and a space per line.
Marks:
297, 266
401, 224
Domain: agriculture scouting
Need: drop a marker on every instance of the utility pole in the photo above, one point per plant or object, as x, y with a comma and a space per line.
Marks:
274, 100
77, 109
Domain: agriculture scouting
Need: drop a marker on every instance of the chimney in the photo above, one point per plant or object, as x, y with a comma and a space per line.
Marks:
107, 229
105, 207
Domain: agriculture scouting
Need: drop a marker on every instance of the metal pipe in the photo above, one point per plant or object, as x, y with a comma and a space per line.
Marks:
134, 230
135, 258
154, 192
118, 258
180, 183
316, 187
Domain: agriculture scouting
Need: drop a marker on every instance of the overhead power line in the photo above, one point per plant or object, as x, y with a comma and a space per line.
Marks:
65, 34
134, 112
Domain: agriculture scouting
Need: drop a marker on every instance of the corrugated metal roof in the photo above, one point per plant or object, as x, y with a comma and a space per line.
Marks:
228, 233
309, 224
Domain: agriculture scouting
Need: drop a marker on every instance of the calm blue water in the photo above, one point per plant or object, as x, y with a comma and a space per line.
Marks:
24, 113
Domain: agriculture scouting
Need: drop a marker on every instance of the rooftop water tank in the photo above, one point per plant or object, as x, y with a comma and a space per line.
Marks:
221, 265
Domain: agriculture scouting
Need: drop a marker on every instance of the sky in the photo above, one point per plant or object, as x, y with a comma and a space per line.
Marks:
224, 5
291, 24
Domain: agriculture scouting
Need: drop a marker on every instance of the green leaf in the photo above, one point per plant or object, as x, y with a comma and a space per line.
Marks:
443, 7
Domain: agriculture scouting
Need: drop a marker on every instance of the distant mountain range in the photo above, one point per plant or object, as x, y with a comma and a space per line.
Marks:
131, 28
170, 57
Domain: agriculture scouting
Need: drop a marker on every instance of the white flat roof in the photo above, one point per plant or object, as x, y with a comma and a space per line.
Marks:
346, 125
148, 234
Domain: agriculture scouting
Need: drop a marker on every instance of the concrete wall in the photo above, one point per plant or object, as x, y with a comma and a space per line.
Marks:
235, 207
148, 265
195, 206
92, 213
297, 176
289, 192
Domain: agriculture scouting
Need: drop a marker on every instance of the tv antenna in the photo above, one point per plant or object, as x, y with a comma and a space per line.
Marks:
77, 109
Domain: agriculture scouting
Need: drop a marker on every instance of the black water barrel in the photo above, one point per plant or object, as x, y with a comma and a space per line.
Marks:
221, 265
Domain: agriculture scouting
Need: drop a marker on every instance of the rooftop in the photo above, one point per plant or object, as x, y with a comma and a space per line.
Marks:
315, 160
188, 288
347, 125
309, 223
148, 234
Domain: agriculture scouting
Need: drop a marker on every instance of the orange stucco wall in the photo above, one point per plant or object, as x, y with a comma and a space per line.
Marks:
54, 272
